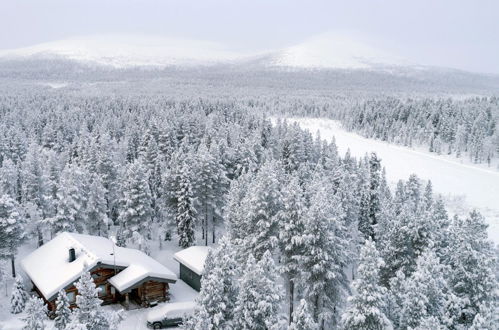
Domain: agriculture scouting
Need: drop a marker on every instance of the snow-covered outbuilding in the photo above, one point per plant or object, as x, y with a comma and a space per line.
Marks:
121, 274
191, 262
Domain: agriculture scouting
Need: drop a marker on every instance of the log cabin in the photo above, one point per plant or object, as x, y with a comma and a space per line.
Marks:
191, 265
122, 275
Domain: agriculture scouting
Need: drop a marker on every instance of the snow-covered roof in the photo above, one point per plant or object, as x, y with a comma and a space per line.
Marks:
193, 258
171, 311
50, 270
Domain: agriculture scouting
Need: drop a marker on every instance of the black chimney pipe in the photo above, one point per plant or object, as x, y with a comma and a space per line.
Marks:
72, 255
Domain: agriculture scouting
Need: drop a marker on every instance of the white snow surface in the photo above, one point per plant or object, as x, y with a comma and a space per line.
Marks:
50, 270
333, 50
123, 51
463, 185
338, 51
171, 310
193, 258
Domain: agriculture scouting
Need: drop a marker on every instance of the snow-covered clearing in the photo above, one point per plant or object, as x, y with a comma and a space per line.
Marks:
463, 185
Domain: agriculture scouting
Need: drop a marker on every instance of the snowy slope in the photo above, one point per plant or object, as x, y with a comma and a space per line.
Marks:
125, 51
335, 51
464, 186
332, 51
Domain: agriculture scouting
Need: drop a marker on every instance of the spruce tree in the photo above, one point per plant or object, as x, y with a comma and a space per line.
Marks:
259, 296
186, 213
302, 318
89, 311
291, 220
18, 296
36, 314
136, 212
97, 220
12, 229
325, 253
218, 294
62, 311
365, 307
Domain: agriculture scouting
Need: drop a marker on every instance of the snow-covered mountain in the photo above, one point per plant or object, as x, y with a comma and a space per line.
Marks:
127, 51
331, 51
336, 51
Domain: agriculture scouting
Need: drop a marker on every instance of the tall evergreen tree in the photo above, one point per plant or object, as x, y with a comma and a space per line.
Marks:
136, 211
62, 311
18, 296
259, 296
36, 314
365, 307
97, 220
12, 229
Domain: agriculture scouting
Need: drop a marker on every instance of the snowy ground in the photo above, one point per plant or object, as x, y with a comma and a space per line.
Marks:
135, 319
463, 185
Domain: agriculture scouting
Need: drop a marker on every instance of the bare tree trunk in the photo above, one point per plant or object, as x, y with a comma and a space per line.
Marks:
13, 265
291, 299
40, 236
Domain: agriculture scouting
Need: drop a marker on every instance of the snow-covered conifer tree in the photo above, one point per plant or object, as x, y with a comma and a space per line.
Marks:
36, 314
325, 253
89, 311
62, 311
365, 307
136, 212
72, 199
186, 213
18, 296
12, 229
302, 318
97, 220
217, 298
262, 204
259, 295
291, 220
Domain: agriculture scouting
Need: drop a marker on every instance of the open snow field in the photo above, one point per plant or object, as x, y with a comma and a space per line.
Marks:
464, 186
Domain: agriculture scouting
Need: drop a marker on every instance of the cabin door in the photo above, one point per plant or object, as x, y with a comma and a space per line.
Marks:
135, 296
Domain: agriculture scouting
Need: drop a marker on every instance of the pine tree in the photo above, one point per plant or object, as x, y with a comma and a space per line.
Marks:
36, 314
425, 293
259, 296
325, 253
291, 220
262, 204
97, 220
471, 257
72, 199
136, 213
186, 214
365, 307
89, 311
302, 319
62, 311
218, 294
12, 229
18, 297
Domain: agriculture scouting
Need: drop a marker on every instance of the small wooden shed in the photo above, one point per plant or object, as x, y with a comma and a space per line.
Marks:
191, 261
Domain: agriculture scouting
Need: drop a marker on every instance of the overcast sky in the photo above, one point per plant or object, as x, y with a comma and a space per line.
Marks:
451, 33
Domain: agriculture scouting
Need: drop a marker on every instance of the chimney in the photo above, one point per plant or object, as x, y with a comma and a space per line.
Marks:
72, 255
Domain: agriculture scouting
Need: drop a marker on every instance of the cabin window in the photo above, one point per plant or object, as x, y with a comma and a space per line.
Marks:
102, 290
95, 276
71, 297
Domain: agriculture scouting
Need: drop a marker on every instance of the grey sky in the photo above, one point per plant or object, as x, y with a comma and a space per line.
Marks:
459, 33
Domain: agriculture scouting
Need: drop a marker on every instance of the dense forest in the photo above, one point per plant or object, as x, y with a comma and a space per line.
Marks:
464, 128
303, 238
